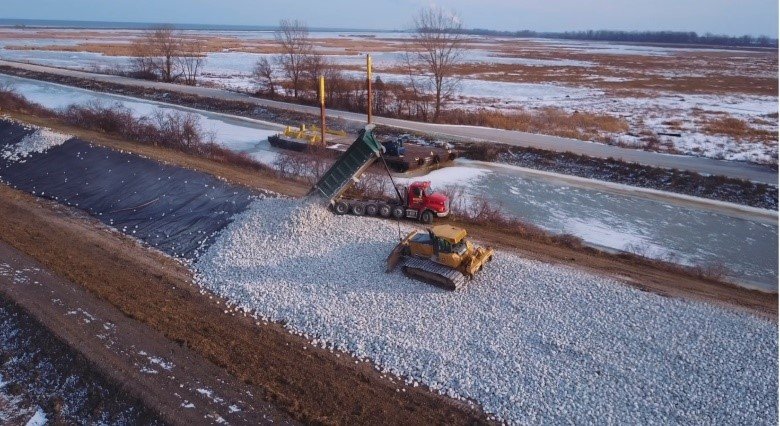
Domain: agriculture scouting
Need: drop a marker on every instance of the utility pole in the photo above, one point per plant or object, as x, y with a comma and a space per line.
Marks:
368, 78
322, 110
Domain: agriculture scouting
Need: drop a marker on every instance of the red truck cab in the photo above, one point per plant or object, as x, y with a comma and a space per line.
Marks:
422, 203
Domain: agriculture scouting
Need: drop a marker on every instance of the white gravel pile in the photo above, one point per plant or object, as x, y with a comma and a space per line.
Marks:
531, 342
38, 141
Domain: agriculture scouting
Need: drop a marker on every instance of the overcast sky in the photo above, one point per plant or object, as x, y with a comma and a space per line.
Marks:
734, 17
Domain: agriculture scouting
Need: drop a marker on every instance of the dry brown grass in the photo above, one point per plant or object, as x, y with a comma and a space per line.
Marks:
549, 121
211, 44
738, 129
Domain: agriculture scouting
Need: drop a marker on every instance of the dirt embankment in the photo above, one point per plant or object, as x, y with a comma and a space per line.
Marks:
658, 278
312, 385
114, 351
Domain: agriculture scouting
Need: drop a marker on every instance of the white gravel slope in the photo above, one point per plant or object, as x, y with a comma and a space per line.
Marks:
38, 141
529, 341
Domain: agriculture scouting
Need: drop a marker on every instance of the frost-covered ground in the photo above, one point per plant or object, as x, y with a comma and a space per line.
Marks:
530, 342
38, 376
646, 110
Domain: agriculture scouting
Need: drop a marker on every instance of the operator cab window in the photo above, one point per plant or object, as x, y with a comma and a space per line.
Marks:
444, 246
417, 192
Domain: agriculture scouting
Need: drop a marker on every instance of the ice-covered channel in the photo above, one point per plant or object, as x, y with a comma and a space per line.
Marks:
614, 220
244, 135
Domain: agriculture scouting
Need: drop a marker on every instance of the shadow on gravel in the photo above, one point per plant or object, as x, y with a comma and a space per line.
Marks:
176, 210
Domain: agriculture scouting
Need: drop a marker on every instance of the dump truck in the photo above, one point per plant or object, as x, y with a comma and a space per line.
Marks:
415, 201
441, 256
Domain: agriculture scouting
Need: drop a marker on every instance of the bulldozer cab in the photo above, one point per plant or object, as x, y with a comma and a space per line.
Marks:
449, 244
449, 235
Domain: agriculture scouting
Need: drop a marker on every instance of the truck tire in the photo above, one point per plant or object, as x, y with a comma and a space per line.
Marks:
398, 212
358, 209
426, 216
385, 210
341, 208
371, 209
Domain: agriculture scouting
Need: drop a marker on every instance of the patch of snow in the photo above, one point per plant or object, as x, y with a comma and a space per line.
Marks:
448, 176
38, 419
166, 365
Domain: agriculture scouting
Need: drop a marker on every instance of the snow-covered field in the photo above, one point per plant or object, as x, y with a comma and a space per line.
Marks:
646, 110
530, 342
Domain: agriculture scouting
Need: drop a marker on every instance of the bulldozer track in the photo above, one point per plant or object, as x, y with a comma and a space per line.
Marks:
433, 273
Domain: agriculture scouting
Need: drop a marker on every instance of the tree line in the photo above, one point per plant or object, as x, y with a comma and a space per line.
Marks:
434, 49
670, 37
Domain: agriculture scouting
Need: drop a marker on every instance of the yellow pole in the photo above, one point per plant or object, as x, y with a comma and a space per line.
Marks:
322, 110
368, 75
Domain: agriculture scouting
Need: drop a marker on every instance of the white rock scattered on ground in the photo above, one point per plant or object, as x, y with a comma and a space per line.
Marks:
38, 141
530, 342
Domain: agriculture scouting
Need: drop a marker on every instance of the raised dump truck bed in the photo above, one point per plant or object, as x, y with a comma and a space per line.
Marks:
359, 156
417, 201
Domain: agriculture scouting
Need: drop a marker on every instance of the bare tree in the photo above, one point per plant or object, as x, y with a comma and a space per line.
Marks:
157, 52
192, 57
165, 47
436, 47
263, 74
379, 96
312, 68
296, 46
143, 62
418, 90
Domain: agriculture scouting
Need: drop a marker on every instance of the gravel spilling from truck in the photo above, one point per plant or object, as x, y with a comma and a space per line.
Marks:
529, 341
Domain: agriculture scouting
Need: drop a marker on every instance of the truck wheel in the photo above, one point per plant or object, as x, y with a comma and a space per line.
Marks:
371, 210
341, 208
426, 217
384, 210
398, 212
358, 209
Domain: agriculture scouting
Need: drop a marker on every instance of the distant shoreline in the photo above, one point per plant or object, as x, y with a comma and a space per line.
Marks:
650, 38
113, 25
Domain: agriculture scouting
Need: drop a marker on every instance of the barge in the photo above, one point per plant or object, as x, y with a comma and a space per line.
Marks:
401, 154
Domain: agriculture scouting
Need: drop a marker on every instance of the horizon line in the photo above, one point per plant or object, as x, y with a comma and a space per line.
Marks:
265, 27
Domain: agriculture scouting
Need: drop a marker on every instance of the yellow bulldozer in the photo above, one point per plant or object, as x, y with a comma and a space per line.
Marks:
441, 256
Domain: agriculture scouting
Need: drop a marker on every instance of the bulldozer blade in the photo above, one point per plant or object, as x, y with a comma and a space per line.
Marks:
394, 258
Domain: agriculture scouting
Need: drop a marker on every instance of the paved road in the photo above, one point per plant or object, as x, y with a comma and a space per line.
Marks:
734, 169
